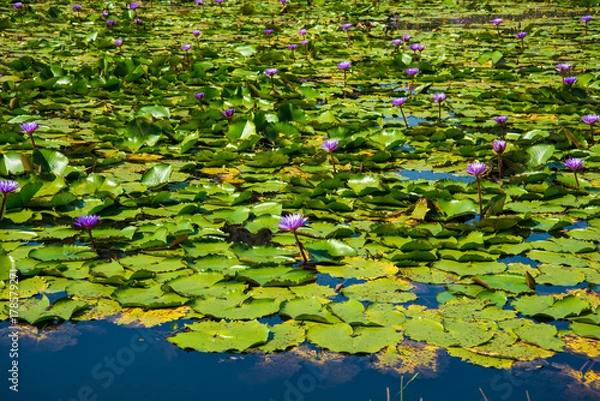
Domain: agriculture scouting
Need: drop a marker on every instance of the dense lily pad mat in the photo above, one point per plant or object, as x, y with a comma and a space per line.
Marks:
190, 154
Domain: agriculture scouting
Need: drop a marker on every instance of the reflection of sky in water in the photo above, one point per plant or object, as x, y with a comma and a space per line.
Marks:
111, 363
433, 175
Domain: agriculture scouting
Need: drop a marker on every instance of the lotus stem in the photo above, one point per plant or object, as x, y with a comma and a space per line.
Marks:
592, 141
576, 179
480, 201
440, 112
2, 206
92, 242
404, 117
499, 169
332, 162
301, 247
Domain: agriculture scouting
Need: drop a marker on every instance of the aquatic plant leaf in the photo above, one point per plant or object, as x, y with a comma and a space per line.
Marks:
222, 336
62, 253
430, 331
152, 297
381, 290
88, 290
456, 208
342, 337
586, 330
539, 154
547, 305
540, 334
408, 358
512, 283
194, 285
236, 307
470, 268
157, 175
479, 359
359, 268
310, 309
330, 249
351, 312
285, 335
276, 276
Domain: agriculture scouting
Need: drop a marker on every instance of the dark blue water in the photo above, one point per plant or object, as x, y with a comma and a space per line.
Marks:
97, 361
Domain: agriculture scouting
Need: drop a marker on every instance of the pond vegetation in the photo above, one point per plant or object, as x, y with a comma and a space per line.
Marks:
277, 173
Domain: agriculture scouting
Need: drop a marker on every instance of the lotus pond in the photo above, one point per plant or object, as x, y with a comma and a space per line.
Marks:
253, 190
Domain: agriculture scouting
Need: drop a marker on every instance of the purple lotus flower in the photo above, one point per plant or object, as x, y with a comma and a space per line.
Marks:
304, 42
119, 42
76, 7
412, 71
563, 68
570, 81
111, 22
476, 168
439, 97
18, 4
292, 222
137, 21
30, 127
590, 119
344, 65
501, 119
574, 164
345, 27
330, 144
497, 21
228, 112
219, 2
293, 46
8, 186
283, 2
406, 37
499, 146
399, 101
186, 47
88, 221
397, 42
104, 14
199, 2
417, 47
302, 32
268, 31
133, 6
199, 95
196, 32
521, 35
269, 72
586, 18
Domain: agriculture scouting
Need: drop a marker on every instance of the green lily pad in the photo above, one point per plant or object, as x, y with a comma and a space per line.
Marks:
342, 337
222, 336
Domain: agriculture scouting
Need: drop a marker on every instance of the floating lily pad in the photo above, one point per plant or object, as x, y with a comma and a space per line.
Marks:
222, 336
